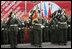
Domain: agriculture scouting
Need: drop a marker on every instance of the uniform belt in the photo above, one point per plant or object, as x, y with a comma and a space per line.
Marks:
46, 26
56, 25
14, 25
28, 28
31, 26
4, 29
22, 27
38, 24
19, 28
62, 22
42, 26
68, 25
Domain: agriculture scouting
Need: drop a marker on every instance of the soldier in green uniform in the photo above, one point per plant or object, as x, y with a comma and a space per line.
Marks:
37, 33
52, 28
62, 26
21, 31
44, 22
30, 33
46, 32
56, 30
53, 33
69, 30
49, 27
13, 29
4, 32
43, 29
59, 27
55, 18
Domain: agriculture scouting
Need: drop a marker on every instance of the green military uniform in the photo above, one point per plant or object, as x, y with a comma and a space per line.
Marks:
59, 27
62, 25
42, 22
4, 33
52, 28
13, 31
44, 30
32, 35
49, 30
62, 34
36, 35
29, 28
69, 30
56, 30
21, 32
53, 32
46, 33
29, 36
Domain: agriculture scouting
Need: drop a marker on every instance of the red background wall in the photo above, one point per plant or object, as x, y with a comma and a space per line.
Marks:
63, 4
